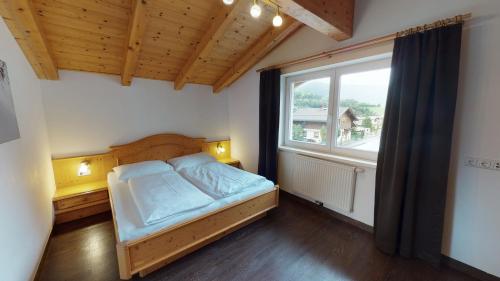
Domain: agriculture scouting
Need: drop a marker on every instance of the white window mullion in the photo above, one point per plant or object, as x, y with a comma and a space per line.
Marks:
333, 106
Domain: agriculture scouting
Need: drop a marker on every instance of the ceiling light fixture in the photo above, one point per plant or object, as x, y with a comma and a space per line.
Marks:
277, 20
255, 10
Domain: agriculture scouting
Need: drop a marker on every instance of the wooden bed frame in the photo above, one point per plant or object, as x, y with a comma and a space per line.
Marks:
148, 253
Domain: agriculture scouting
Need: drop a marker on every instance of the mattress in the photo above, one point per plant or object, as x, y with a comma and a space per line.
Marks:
129, 223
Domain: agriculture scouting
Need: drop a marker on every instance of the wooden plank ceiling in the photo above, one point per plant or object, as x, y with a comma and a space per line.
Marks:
185, 41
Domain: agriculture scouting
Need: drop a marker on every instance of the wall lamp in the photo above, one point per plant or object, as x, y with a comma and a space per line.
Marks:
84, 169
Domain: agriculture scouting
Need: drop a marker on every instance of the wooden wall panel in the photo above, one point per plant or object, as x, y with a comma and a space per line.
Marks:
211, 148
66, 169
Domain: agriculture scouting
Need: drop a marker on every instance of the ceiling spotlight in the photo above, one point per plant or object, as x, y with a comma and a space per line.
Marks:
277, 20
228, 2
255, 11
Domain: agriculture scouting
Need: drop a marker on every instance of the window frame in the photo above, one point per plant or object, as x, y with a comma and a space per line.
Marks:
288, 110
335, 72
350, 69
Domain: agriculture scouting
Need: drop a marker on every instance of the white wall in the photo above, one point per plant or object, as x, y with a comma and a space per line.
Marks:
87, 112
26, 181
472, 224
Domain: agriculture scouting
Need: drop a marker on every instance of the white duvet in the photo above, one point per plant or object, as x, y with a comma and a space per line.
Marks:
220, 180
160, 196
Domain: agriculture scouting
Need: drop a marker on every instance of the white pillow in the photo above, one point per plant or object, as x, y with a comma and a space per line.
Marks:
191, 160
125, 172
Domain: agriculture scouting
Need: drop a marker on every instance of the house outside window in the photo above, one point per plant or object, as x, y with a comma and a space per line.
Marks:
338, 110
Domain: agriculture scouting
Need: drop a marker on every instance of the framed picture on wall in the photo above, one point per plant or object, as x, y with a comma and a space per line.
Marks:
9, 129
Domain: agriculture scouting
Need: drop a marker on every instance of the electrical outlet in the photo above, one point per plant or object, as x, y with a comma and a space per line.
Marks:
471, 162
484, 164
495, 165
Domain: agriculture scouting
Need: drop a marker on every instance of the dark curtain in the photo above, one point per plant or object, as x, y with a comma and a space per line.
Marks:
414, 155
269, 111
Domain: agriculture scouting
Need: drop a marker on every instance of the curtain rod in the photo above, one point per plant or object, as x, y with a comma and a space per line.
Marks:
371, 42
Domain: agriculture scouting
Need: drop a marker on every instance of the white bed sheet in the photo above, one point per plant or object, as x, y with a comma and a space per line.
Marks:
130, 225
220, 180
160, 196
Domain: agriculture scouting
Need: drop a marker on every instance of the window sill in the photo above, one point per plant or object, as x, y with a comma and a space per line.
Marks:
335, 158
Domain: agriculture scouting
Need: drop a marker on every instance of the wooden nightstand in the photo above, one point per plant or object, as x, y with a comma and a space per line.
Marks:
232, 162
79, 201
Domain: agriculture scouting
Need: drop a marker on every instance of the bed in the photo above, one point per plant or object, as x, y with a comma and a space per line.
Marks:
145, 248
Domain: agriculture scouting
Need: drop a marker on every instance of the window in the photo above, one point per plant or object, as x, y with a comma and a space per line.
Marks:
339, 110
309, 102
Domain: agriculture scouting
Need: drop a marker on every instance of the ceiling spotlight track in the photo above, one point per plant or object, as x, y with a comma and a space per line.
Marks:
256, 10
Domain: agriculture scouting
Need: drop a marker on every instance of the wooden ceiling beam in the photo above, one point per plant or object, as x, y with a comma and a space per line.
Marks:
136, 30
267, 42
330, 17
225, 16
23, 23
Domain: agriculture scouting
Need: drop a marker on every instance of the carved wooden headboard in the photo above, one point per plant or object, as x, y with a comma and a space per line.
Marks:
157, 147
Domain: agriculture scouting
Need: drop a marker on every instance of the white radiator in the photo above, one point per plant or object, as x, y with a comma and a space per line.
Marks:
326, 182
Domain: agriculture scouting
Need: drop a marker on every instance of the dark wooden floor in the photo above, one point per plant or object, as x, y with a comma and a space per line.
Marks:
294, 242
